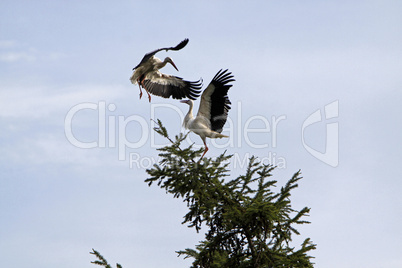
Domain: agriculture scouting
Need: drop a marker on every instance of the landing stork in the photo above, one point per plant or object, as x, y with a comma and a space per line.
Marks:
147, 75
213, 111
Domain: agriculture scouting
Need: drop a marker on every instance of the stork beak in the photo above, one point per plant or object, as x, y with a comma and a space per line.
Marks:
174, 65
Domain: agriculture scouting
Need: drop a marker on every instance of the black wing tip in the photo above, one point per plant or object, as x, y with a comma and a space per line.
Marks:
195, 89
224, 74
184, 42
181, 45
219, 111
223, 77
197, 84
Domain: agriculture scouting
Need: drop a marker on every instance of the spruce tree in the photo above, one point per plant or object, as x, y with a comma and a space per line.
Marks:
249, 224
101, 260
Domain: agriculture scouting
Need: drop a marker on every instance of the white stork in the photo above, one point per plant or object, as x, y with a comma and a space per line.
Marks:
213, 110
147, 75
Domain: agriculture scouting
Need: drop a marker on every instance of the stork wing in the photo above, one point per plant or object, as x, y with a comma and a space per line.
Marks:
168, 86
150, 54
215, 103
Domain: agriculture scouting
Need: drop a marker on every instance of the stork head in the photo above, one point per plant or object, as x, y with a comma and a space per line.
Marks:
169, 59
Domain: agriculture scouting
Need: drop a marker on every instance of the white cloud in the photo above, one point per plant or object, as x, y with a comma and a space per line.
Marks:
36, 102
45, 148
17, 56
33, 121
7, 44
13, 51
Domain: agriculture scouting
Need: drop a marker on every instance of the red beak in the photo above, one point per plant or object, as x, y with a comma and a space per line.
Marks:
174, 65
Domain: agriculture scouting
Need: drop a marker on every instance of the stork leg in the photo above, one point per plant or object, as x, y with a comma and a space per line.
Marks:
149, 95
206, 148
140, 91
142, 84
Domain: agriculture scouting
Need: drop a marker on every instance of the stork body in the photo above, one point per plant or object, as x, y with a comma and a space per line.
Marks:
213, 111
147, 75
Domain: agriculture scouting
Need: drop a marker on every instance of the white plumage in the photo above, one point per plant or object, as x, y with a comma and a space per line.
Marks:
213, 111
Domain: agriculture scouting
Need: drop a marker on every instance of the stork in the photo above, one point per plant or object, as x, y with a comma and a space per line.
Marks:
213, 111
147, 75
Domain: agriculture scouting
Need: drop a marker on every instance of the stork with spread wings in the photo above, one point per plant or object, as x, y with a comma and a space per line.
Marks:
213, 110
147, 75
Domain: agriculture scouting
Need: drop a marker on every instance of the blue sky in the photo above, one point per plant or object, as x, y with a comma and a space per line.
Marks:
290, 60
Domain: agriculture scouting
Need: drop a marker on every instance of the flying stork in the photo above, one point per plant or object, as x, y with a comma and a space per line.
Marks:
213, 110
147, 75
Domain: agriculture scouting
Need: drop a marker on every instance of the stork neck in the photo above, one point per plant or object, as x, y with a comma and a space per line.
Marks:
189, 116
190, 109
161, 64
